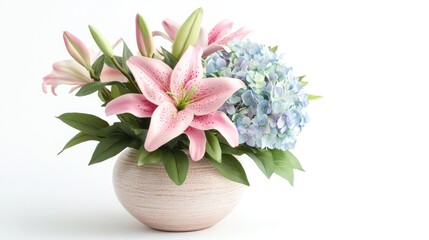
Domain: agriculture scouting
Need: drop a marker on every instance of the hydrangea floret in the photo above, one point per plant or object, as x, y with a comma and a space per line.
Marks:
271, 111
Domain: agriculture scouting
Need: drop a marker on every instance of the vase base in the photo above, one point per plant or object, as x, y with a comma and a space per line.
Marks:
149, 195
178, 230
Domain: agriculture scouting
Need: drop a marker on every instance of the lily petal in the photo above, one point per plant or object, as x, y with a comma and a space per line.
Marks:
214, 48
220, 122
189, 67
219, 30
197, 143
202, 39
211, 93
71, 69
74, 88
67, 72
161, 34
110, 74
166, 123
77, 49
135, 104
170, 27
152, 76
239, 34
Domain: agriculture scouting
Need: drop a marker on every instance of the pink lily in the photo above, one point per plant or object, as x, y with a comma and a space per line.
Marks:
179, 101
76, 73
217, 39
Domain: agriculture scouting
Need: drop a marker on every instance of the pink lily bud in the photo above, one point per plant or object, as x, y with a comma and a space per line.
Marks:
77, 49
170, 27
144, 37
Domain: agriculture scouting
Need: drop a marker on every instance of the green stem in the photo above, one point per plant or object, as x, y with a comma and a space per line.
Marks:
92, 75
104, 90
122, 70
107, 94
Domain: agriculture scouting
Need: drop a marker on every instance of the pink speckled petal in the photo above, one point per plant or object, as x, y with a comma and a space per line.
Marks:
170, 27
219, 30
166, 124
239, 34
211, 93
77, 49
110, 74
189, 67
197, 143
135, 104
152, 76
220, 122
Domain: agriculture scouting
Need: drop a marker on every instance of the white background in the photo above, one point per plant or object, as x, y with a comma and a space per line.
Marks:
364, 151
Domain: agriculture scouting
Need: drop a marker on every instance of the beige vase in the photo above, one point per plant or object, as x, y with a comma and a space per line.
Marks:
149, 195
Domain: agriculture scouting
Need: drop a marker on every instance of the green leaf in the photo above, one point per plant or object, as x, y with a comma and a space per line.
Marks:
173, 142
213, 147
136, 144
132, 120
128, 129
109, 147
283, 167
83, 122
131, 130
176, 163
273, 49
108, 131
231, 168
226, 148
304, 83
91, 88
313, 97
79, 138
103, 97
187, 34
124, 129
293, 160
142, 156
98, 65
126, 54
115, 92
300, 78
131, 87
153, 157
169, 58
110, 63
264, 160
119, 90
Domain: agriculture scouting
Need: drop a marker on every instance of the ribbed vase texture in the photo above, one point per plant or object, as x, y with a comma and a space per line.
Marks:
150, 196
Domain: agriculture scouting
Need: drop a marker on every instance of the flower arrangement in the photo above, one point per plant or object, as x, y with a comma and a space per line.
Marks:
211, 95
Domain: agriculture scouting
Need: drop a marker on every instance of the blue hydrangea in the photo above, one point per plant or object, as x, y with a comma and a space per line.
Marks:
271, 111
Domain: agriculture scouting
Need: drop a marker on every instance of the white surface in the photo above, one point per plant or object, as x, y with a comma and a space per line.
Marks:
365, 150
